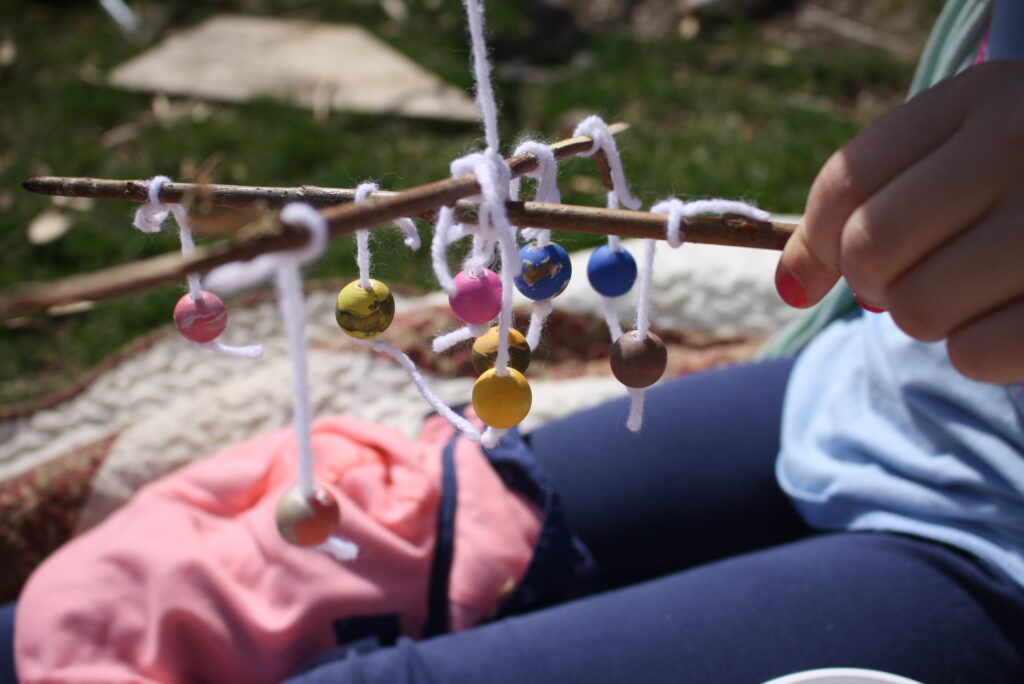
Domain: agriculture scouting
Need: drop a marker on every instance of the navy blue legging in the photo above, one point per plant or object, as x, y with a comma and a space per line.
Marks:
709, 574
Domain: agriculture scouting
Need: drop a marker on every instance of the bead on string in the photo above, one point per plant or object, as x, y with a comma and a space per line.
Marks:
308, 513
611, 269
365, 308
501, 395
546, 266
199, 316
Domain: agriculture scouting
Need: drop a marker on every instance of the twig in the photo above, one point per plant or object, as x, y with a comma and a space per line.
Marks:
377, 209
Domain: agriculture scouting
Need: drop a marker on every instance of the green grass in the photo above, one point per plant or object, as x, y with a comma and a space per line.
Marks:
725, 114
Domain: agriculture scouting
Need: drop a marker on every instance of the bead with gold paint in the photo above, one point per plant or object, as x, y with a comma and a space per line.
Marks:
485, 350
546, 271
638, 362
307, 521
365, 313
502, 401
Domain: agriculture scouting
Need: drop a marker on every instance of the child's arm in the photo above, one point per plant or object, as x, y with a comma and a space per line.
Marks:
923, 214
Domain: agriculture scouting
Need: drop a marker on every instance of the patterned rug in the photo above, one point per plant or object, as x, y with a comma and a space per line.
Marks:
67, 462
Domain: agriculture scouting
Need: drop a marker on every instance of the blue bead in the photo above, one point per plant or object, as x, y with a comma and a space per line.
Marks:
546, 271
611, 272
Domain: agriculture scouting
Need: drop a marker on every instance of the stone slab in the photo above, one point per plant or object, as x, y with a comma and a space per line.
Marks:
320, 66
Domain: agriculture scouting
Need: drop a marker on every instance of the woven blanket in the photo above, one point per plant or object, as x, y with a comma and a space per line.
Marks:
164, 402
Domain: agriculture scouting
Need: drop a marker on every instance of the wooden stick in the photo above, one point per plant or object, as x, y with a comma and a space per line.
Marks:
377, 209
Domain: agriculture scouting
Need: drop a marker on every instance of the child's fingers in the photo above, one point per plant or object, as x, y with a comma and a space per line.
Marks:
810, 263
988, 349
945, 192
944, 291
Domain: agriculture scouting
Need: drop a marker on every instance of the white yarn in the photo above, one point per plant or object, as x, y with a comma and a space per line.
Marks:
363, 239
238, 275
678, 210
463, 425
491, 437
613, 240
148, 218
505, 316
643, 305
611, 318
636, 410
597, 130
341, 549
439, 247
291, 302
538, 316
547, 186
412, 236
482, 73
443, 343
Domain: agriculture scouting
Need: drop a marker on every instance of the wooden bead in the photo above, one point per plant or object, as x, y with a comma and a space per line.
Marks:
485, 351
611, 272
201, 320
365, 313
638, 362
546, 271
502, 401
477, 299
307, 521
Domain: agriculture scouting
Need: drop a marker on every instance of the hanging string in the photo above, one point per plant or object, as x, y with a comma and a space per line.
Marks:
412, 236
284, 266
597, 130
547, 191
460, 423
363, 260
149, 218
676, 211
482, 73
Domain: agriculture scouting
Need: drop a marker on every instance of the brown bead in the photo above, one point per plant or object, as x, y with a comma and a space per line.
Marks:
307, 522
638, 362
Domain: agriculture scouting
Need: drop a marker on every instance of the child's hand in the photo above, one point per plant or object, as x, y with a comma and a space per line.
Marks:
923, 213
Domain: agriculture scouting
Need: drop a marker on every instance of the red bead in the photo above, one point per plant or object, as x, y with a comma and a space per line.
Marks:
307, 521
201, 320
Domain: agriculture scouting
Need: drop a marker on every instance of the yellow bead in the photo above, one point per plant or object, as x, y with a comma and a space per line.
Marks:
365, 313
502, 401
485, 350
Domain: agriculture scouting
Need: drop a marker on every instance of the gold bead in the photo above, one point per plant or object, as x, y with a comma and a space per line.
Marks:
502, 401
485, 350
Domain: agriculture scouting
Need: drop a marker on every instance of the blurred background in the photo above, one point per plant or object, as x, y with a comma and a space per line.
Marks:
739, 98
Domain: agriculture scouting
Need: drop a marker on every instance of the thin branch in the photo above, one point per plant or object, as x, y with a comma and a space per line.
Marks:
377, 209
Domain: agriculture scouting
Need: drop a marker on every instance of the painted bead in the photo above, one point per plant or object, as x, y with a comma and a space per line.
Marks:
485, 351
546, 271
307, 522
638, 362
611, 272
477, 300
365, 313
502, 401
200, 320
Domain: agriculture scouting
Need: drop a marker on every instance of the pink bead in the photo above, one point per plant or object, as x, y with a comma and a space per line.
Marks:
201, 320
476, 300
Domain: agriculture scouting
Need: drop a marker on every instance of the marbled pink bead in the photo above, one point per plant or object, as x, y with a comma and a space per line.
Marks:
477, 299
201, 320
